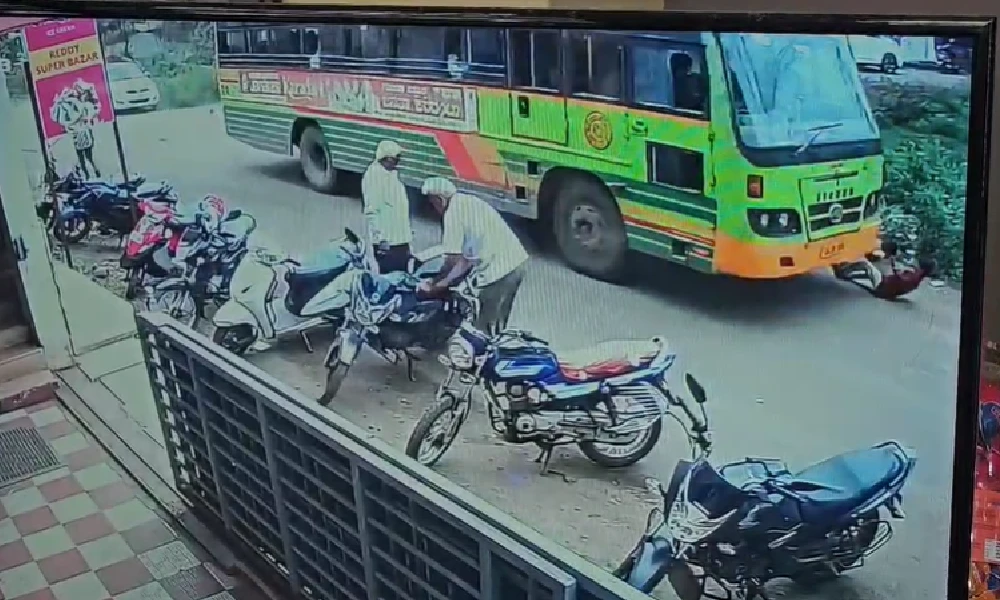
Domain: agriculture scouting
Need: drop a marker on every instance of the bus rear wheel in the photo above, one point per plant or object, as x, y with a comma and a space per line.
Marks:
317, 165
589, 229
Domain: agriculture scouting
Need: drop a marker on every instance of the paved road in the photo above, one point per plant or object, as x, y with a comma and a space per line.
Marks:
925, 77
799, 369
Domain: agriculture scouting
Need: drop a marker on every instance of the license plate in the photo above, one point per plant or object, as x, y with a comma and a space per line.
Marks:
831, 250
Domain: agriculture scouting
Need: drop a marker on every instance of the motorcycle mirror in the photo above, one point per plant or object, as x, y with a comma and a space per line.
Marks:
351, 236
697, 390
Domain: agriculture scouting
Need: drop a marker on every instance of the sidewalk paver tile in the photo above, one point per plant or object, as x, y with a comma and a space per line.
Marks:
63, 566
46, 543
105, 551
75, 507
85, 532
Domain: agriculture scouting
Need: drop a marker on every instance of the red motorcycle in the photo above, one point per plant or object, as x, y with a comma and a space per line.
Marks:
151, 247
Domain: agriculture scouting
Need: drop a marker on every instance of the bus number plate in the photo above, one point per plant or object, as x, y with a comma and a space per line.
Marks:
830, 250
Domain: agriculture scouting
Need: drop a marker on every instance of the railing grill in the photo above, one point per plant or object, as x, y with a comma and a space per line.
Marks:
326, 516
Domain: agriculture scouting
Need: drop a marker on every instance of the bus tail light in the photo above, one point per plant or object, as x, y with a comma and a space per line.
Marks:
755, 186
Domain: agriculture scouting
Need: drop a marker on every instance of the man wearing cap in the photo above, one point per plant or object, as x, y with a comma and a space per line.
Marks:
477, 241
387, 209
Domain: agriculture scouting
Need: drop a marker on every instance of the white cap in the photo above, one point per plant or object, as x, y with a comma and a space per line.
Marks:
438, 186
388, 149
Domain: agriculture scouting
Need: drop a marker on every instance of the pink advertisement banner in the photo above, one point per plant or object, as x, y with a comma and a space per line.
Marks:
67, 68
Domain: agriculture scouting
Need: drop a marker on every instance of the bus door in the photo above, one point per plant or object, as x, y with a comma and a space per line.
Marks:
668, 121
670, 133
537, 104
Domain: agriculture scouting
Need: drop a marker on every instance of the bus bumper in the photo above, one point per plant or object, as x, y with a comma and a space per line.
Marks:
749, 260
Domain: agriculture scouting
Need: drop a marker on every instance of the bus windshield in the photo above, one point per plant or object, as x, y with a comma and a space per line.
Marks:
795, 91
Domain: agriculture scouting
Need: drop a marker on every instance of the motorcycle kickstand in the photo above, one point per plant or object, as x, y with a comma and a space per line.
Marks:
410, 369
306, 342
544, 457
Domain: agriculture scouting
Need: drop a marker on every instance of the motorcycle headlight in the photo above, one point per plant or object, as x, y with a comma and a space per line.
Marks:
687, 522
460, 353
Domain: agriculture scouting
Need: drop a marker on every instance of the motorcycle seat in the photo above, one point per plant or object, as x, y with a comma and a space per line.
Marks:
607, 359
304, 284
839, 485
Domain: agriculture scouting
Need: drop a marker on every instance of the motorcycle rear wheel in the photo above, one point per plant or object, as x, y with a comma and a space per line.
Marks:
423, 430
647, 441
235, 338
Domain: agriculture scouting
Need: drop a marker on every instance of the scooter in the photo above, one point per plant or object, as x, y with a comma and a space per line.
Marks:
268, 293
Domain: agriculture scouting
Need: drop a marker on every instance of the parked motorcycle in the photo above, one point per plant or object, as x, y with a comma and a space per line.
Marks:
200, 273
609, 399
384, 313
269, 293
73, 205
151, 247
746, 523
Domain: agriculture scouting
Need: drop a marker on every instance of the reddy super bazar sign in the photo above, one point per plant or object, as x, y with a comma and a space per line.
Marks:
438, 105
67, 70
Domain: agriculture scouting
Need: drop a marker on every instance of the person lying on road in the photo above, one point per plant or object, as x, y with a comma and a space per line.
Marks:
882, 275
477, 241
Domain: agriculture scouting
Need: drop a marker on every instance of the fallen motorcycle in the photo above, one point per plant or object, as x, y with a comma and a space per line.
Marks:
741, 525
608, 399
269, 293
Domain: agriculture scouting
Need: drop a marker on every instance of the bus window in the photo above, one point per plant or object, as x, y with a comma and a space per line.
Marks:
260, 41
597, 65
486, 47
333, 40
310, 42
676, 167
535, 60
369, 41
425, 43
669, 77
233, 42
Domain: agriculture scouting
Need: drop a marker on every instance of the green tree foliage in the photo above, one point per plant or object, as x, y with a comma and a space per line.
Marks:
925, 131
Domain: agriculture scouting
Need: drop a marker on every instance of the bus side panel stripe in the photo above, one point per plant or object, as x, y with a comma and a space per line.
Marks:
457, 153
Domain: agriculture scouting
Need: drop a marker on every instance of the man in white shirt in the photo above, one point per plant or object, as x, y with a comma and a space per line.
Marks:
477, 241
387, 209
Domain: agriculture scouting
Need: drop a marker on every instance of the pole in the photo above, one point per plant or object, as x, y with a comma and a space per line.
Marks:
51, 175
133, 207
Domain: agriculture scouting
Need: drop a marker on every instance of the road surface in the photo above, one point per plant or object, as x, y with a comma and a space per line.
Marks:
798, 369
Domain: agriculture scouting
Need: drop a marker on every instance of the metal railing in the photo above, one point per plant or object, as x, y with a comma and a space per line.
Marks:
324, 510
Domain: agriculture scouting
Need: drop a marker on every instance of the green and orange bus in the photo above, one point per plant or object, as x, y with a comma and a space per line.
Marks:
751, 155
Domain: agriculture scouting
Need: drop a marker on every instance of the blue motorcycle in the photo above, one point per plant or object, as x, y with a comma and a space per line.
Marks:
608, 399
385, 313
74, 205
729, 530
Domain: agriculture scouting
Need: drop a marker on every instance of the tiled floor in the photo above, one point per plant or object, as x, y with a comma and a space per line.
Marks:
84, 531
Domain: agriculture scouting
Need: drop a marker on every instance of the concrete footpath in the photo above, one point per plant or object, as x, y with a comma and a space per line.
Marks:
82, 529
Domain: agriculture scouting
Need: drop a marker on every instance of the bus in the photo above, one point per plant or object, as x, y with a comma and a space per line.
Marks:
749, 155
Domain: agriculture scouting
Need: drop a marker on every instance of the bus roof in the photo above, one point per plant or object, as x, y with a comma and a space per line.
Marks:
686, 37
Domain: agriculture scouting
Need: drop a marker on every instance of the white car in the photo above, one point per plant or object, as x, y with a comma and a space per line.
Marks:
880, 53
131, 87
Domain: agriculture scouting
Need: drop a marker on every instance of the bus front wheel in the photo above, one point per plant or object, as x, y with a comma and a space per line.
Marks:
316, 163
589, 229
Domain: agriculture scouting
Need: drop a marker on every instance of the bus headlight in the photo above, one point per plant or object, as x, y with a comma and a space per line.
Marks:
774, 222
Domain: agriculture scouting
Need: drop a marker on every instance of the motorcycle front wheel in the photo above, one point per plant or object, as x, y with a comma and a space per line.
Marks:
335, 376
73, 230
617, 456
436, 429
180, 305
135, 277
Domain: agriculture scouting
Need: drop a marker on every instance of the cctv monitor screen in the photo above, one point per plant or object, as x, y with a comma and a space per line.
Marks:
694, 287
